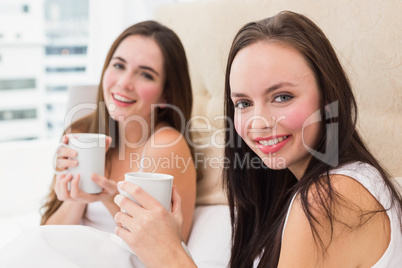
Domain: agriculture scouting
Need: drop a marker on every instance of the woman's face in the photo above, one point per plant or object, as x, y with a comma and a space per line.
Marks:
276, 98
134, 78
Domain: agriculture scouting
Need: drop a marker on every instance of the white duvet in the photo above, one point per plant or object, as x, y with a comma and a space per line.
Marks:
62, 246
67, 246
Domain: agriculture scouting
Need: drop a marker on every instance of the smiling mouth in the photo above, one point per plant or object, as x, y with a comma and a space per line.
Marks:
272, 142
122, 99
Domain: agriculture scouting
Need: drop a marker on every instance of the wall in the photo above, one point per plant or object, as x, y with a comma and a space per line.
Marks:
366, 35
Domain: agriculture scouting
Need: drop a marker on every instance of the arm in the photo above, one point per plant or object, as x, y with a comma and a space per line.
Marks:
74, 201
175, 159
355, 230
70, 212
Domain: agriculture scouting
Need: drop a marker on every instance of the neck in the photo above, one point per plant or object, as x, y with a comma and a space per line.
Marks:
133, 135
299, 169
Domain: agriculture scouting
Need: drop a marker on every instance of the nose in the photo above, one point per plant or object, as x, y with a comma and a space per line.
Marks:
259, 122
260, 116
126, 81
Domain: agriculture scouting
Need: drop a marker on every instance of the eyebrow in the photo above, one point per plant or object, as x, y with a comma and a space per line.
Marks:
141, 66
268, 90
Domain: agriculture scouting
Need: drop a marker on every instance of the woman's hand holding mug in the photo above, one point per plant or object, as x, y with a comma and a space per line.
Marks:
80, 167
152, 227
65, 156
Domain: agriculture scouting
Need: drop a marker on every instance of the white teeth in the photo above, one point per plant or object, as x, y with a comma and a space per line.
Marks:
122, 99
272, 141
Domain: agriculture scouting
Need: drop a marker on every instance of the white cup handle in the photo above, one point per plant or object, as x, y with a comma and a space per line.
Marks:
55, 160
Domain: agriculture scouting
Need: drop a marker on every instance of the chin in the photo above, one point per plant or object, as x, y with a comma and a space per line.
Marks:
275, 163
118, 117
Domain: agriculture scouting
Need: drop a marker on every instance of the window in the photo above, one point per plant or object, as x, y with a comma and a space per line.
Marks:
25, 8
64, 69
56, 88
9, 115
48, 44
66, 50
12, 84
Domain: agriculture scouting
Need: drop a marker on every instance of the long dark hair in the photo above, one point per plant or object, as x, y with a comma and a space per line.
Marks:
177, 91
259, 197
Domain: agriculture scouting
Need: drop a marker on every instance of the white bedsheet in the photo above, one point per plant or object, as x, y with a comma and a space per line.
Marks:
83, 246
67, 246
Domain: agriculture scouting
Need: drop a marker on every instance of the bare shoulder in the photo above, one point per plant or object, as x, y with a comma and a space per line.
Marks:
344, 227
356, 206
167, 135
298, 246
348, 194
168, 152
167, 139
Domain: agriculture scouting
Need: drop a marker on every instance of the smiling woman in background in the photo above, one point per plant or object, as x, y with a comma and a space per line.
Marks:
145, 73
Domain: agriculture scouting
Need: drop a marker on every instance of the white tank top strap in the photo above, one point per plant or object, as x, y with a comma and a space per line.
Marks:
150, 138
371, 179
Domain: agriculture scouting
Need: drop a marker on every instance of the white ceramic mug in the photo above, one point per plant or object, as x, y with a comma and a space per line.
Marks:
90, 148
158, 185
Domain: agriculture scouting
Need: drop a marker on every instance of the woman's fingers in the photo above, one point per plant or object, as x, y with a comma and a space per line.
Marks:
64, 139
108, 142
142, 197
151, 230
61, 186
120, 230
123, 220
66, 152
176, 207
176, 200
78, 195
67, 189
56, 186
74, 187
110, 186
64, 156
123, 229
64, 163
126, 204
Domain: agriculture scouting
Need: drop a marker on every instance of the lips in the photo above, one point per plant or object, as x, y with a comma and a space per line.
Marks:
272, 144
121, 100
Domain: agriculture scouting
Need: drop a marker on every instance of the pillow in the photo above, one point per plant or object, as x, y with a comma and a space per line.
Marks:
209, 163
210, 240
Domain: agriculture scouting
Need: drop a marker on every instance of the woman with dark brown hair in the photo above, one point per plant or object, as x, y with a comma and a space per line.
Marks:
303, 189
144, 103
318, 197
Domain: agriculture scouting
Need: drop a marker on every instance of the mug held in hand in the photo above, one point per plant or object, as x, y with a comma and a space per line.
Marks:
158, 185
90, 150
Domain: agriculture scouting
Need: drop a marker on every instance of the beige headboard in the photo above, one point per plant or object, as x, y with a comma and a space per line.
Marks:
367, 35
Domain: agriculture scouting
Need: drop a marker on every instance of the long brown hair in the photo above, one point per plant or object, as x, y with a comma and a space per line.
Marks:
259, 197
177, 91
